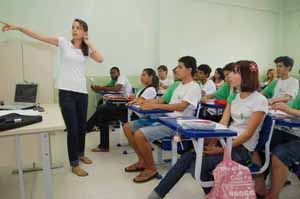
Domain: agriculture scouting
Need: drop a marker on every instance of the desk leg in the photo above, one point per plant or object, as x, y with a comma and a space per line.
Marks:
20, 167
44, 140
198, 145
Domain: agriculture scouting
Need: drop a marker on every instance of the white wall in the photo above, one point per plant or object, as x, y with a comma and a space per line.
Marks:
291, 32
134, 34
218, 32
125, 31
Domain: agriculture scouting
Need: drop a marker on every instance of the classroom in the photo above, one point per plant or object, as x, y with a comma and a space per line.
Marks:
150, 99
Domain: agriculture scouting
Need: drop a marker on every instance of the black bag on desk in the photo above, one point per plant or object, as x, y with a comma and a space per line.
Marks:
14, 120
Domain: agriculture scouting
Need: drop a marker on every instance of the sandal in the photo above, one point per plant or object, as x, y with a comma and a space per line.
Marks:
145, 176
134, 168
85, 160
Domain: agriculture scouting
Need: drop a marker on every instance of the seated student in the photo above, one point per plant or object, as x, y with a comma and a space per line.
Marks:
247, 111
225, 90
122, 84
271, 75
218, 78
164, 82
285, 147
141, 133
110, 112
285, 89
207, 86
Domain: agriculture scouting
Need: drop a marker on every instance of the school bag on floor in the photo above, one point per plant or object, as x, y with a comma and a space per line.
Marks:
232, 180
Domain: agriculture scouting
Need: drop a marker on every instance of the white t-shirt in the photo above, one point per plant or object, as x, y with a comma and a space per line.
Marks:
149, 93
289, 87
190, 93
126, 86
241, 112
208, 88
71, 75
166, 82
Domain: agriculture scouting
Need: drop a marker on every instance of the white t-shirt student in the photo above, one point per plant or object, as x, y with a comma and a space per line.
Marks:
148, 93
241, 111
190, 93
166, 82
208, 88
126, 89
288, 86
72, 73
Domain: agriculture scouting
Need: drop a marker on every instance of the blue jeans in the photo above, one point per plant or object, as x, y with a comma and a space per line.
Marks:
187, 163
73, 106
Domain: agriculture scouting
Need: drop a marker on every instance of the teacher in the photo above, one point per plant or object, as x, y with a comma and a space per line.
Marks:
71, 83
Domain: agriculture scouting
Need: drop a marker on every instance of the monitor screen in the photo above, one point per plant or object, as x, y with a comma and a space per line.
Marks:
26, 93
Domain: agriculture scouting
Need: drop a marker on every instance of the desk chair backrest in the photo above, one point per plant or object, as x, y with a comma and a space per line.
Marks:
265, 136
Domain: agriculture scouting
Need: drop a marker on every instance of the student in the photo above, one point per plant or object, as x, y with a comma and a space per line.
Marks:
247, 111
122, 84
218, 78
285, 89
207, 86
271, 75
141, 133
164, 82
225, 90
285, 147
71, 83
110, 112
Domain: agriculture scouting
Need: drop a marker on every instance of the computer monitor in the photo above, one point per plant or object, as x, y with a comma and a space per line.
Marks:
26, 93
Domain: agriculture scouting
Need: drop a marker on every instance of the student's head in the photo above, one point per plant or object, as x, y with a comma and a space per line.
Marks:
219, 74
227, 69
245, 76
175, 76
271, 74
203, 72
284, 65
162, 71
149, 78
186, 67
114, 73
79, 32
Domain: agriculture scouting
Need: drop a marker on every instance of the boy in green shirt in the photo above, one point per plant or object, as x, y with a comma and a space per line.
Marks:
225, 91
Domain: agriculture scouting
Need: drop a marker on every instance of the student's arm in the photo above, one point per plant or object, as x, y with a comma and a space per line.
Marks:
180, 107
253, 124
226, 116
115, 88
30, 33
284, 99
154, 101
285, 108
205, 99
95, 55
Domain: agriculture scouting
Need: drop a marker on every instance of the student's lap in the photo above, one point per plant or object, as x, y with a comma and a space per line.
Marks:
151, 129
288, 153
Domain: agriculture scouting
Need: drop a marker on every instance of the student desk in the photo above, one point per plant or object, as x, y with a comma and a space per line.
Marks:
285, 120
137, 109
52, 122
197, 137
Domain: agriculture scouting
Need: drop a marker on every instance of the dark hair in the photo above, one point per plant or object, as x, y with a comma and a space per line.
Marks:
286, 60
115, 68
155, 79
163, 68
189, 62
249, 75
220, 72
205, 68
83, 46
229, 67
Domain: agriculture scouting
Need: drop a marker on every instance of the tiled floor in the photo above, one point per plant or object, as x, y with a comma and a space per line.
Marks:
106, 178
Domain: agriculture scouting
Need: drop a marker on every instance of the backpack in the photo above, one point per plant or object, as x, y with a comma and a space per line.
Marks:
232, 180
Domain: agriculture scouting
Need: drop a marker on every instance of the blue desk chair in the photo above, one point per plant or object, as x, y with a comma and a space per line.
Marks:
263, 145
168, 144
